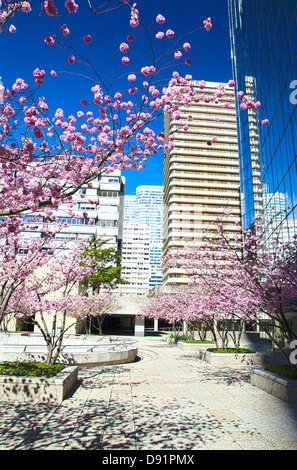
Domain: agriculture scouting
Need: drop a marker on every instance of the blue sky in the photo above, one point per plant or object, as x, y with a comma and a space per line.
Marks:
25, 50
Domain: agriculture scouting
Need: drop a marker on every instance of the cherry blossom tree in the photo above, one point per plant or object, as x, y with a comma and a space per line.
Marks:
259, 282
95, 308
54, 293
47, 156
21, 257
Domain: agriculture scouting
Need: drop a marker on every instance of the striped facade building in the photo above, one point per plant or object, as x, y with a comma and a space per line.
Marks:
201, 177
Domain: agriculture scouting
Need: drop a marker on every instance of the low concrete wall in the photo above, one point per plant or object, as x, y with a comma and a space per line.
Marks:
76, 350
280, 387
100, 358
38, 389
232, 359
193, 347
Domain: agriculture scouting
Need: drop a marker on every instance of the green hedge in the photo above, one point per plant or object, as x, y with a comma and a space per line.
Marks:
30, 369
198, 341
231, 350
284, 370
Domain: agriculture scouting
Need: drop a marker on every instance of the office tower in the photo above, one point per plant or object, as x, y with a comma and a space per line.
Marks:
130, 209
136, 259
201, 180
149, 210
263, 49
146, 208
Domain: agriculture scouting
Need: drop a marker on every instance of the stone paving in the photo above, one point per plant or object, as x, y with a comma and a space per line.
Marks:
168, 400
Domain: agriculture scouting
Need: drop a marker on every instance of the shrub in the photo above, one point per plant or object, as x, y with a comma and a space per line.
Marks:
198, 341
231, 350
284, 370
30, 369
180, 337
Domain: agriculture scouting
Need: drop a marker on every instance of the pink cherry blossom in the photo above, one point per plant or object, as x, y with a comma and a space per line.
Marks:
38, 134
132, 77
65, 30
134, 20
39, 75
71, 6
124, 47
187, 46
207, 24
50, 7
160, 35
88, 39
148, 70
26, 8
207, 99
125, 60
71, 59
170, 33
160, 19
50, 40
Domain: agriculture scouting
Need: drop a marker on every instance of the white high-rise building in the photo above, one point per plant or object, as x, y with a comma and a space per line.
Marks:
97, 209
201, 177
130, 209
146, 208
136, 259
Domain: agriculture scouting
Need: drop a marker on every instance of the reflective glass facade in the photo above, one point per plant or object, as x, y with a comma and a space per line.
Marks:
264, 57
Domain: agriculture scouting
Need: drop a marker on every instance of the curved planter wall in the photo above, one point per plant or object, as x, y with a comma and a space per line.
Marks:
76, 350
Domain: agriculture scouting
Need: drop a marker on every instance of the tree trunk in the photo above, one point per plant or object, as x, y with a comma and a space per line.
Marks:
100, 323
50, 351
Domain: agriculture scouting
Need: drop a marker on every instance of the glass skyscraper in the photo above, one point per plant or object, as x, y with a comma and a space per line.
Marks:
264, 58
1, 91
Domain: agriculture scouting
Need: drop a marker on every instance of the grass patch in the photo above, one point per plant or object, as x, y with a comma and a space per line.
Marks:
231, 350
284, 370
197, 341
30, 369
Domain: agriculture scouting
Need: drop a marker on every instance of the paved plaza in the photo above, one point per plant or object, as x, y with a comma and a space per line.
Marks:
168, 400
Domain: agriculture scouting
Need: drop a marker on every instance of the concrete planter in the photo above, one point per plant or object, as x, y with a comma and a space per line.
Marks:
193, 347
232, 359
38, 389
78, 350
276, 385
102, 358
